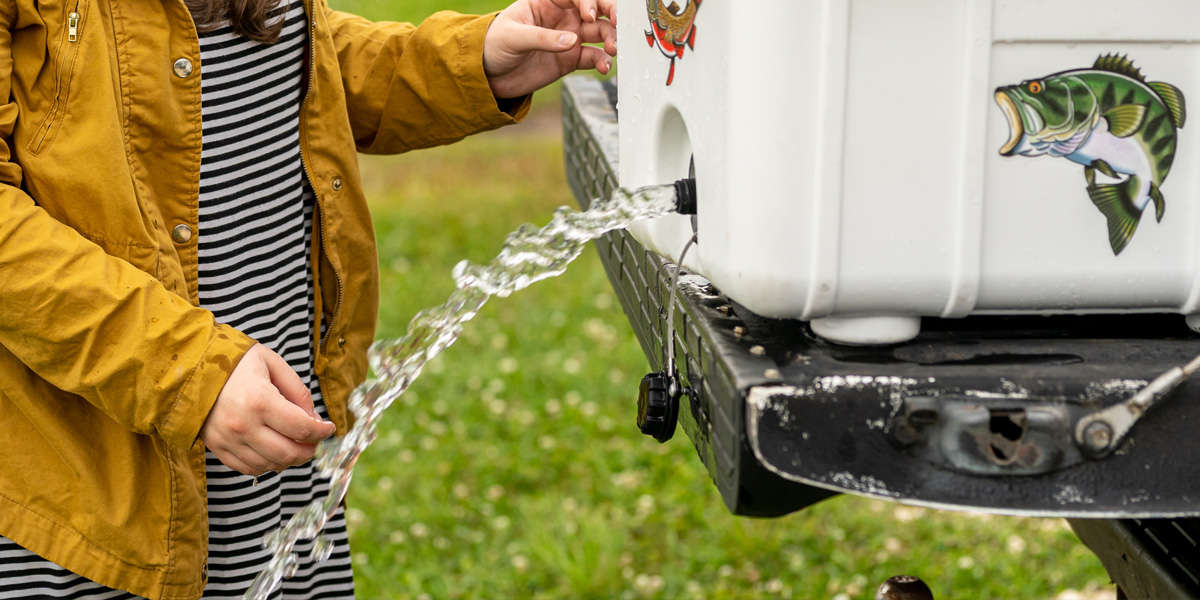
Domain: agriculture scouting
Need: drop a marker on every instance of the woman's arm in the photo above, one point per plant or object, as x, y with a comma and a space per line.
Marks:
410, 87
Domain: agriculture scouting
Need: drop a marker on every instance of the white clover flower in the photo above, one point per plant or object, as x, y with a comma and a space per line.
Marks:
494, 493
418, 530
460, 490
520, 563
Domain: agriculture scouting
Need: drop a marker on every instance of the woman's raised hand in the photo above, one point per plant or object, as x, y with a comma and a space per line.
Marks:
534, 42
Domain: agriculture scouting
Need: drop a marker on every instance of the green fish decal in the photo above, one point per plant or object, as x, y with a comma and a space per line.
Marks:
1109, 119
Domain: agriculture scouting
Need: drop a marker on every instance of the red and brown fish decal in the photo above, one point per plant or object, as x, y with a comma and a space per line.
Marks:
672, 28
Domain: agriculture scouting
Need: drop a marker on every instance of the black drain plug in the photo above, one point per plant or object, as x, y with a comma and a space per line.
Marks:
658, 407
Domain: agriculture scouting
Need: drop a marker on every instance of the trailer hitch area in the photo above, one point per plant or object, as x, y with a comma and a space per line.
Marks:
966, 435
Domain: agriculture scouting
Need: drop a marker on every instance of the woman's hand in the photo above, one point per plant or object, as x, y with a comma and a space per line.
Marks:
532, 43
263, 419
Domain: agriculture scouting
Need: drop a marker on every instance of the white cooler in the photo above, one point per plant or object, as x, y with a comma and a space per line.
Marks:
848, 154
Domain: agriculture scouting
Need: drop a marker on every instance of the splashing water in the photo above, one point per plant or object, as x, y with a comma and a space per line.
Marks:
529, 255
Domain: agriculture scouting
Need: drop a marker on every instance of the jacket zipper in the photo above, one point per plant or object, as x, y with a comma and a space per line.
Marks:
66, 65
73, 25
312, 76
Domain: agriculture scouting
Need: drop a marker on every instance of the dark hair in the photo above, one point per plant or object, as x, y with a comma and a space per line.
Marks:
251, 18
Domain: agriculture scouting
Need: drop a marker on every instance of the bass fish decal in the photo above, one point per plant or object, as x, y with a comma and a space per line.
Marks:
1109, 119
672, 28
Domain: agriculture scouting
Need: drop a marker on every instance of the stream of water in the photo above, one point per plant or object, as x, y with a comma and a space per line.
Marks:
530, 254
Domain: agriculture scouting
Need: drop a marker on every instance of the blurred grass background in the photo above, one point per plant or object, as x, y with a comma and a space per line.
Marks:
512, 469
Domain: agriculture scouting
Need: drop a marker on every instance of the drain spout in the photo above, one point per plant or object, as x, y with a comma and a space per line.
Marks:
685, 196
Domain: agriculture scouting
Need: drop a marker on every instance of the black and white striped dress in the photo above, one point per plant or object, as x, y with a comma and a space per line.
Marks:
255, 227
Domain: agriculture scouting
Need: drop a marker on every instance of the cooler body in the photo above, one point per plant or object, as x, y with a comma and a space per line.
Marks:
865, 163
980, 413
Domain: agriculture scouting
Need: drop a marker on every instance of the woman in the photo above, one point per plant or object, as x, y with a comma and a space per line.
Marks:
187, 263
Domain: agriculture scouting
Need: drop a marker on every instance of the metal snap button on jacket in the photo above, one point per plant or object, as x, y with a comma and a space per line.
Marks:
336, 184
182, 67
181, 234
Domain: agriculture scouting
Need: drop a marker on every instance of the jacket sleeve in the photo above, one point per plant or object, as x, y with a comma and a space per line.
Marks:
412, 86
94, 325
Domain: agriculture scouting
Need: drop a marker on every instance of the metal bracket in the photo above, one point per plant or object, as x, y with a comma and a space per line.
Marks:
1103, 431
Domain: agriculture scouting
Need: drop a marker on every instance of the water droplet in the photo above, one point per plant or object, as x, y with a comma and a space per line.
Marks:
290, 566
322, 548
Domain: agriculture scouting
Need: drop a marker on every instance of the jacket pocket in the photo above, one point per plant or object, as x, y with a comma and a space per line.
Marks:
68, 50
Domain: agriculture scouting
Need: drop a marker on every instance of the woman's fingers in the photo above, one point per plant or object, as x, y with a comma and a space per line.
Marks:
288, 382
233, 462
268, 451
278, 452
293, 422
591, 10
534, 42
588, 11
592, 57
600, 32
257, 463
608, 8
241, 457
518, 38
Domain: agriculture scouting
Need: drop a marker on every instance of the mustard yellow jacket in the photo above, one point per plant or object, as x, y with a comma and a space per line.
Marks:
107, 367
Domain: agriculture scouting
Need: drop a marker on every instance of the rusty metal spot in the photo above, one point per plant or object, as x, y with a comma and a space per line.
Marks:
971, 436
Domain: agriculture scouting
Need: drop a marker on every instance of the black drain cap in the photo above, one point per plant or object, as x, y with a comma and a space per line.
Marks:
658, 408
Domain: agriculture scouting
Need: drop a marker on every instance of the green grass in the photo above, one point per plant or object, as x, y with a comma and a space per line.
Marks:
413, 10
512, 468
